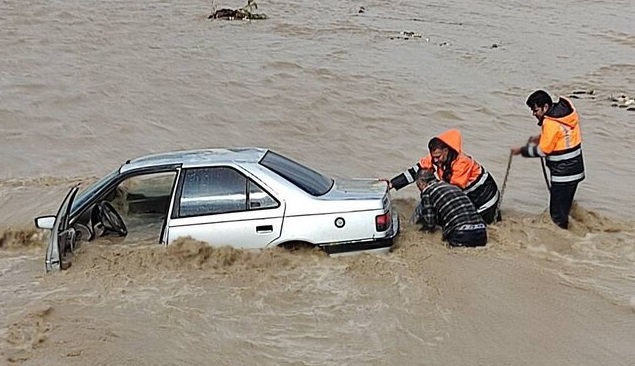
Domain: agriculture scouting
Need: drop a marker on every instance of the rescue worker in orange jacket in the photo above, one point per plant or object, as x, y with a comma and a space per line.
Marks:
560, 144
452, 165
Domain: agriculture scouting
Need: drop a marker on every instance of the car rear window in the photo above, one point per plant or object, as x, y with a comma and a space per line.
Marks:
305, 178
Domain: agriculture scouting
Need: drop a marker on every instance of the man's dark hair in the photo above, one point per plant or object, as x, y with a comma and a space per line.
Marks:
538, 99
426, 175
436, 143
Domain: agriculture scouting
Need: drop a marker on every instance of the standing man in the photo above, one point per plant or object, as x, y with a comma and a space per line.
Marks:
560, 143
446, 205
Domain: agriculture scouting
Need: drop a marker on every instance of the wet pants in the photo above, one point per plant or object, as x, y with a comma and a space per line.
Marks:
491, 215
560, 201
468, 236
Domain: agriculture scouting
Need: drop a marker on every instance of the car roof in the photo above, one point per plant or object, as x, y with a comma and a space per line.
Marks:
195, 157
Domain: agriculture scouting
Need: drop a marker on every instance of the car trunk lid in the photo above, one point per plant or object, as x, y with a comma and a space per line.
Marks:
361, 189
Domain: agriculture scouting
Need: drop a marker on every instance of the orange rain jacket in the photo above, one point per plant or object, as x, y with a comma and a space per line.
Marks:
464, 172
560, 143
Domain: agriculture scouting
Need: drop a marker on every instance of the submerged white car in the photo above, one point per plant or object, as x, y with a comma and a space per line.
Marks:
244, 198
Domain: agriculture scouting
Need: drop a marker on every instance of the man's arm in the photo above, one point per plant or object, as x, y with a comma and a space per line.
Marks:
532, 150
541, 145
405, 178
428, 217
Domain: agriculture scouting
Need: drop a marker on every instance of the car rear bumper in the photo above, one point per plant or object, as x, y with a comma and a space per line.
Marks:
375, 245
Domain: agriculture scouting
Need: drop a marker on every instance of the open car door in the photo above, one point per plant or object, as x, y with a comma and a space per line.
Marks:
62, 240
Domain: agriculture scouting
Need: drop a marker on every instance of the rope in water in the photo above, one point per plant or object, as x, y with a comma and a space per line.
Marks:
500, 200
544, 173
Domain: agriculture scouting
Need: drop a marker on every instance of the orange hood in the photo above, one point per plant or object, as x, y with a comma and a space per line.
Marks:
453, 139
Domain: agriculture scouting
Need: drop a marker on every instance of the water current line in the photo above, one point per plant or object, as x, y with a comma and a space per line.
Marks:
412, 19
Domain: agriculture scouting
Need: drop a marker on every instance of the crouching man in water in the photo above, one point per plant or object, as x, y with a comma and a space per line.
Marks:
447, 159
446, 205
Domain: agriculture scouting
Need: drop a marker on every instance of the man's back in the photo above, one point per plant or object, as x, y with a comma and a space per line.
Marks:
448, 206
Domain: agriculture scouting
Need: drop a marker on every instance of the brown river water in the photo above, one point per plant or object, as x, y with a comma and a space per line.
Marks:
85, 85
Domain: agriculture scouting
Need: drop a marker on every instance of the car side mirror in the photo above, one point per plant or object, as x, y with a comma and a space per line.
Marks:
45, 222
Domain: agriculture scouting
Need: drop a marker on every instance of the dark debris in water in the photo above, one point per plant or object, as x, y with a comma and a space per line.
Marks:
362, 11
583, 94
623, 101
620, 100
408, 35
587, 92
244, 13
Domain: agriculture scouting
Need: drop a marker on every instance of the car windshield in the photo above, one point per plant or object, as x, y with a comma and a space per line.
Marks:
303, 177
90, 191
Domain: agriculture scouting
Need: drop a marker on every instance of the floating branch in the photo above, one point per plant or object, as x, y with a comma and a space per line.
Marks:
244, 13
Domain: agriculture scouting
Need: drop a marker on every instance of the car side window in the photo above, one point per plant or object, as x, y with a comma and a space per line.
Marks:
258, 198
215, 190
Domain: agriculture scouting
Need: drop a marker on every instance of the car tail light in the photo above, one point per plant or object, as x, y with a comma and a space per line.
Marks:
382, 222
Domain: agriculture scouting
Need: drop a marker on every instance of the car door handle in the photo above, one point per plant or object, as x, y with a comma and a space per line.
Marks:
264, 229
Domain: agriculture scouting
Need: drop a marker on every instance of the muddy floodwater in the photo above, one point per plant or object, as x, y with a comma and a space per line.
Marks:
86, 85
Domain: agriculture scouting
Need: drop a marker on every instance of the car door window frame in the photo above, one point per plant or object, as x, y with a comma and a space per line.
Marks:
105, 188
